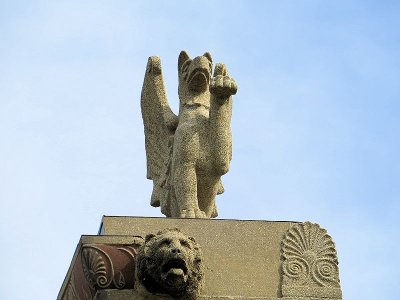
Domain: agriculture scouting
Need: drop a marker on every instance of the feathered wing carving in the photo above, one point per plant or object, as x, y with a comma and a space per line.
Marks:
159, 127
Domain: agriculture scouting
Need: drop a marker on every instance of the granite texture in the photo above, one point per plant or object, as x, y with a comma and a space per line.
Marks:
242, 260
187, 155
132, 295
189, 256
169, 263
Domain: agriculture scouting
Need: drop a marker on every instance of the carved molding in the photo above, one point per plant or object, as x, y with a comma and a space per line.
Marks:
108, 267
309, 263
97, 267
102, 266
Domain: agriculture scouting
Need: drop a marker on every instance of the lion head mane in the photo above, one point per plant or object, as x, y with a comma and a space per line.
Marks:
170, 263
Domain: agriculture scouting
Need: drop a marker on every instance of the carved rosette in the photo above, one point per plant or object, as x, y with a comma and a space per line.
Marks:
309, 263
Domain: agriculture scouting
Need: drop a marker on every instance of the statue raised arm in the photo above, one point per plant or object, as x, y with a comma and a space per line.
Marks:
187, 156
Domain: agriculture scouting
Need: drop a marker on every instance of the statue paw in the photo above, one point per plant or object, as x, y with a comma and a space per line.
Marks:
192, 213
200, 214
223, 86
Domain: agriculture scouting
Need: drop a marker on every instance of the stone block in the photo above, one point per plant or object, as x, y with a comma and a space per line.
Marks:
243, 259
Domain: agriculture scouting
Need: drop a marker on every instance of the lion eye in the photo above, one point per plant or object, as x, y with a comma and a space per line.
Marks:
165, 243
185, 243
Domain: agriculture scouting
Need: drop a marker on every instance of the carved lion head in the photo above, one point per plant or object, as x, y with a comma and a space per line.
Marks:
170, 263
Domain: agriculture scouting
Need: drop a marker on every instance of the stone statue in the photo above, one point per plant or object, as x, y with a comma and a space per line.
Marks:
187, 155
169, 264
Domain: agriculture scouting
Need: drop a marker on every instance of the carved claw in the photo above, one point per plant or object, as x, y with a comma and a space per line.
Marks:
221, 84
192, 213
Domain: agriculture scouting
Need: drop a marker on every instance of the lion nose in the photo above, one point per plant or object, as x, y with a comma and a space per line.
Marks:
175, 250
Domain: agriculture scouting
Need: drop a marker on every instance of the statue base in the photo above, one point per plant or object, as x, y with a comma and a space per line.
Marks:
243, 259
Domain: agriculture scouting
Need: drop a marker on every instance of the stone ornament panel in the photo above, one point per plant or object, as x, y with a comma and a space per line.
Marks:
102, 266
303, 256
309, 263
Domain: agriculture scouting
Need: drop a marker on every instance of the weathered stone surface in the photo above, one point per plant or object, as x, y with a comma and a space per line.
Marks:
187, 156
100, 262
309, 263
242, 260
169, 263
132, 295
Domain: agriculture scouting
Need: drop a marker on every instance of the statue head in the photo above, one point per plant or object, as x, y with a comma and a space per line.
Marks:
170, 263
194, 74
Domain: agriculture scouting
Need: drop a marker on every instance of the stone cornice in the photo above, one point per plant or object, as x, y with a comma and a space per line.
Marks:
101, 263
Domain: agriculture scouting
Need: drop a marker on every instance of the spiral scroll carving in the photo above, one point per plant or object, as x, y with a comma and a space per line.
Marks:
296, 268
108, 266
95, 267
309, 262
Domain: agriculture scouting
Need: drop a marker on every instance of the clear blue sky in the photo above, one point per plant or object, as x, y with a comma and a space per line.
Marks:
315, 123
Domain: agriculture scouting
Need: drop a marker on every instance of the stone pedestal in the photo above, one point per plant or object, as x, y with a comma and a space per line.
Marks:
243, 259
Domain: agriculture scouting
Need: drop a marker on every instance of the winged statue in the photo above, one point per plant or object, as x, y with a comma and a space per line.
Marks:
188, 154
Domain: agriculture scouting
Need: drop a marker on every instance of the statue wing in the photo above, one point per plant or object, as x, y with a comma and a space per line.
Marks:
159, 128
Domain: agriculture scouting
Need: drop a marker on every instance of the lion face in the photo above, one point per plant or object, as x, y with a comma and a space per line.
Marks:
170, 263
